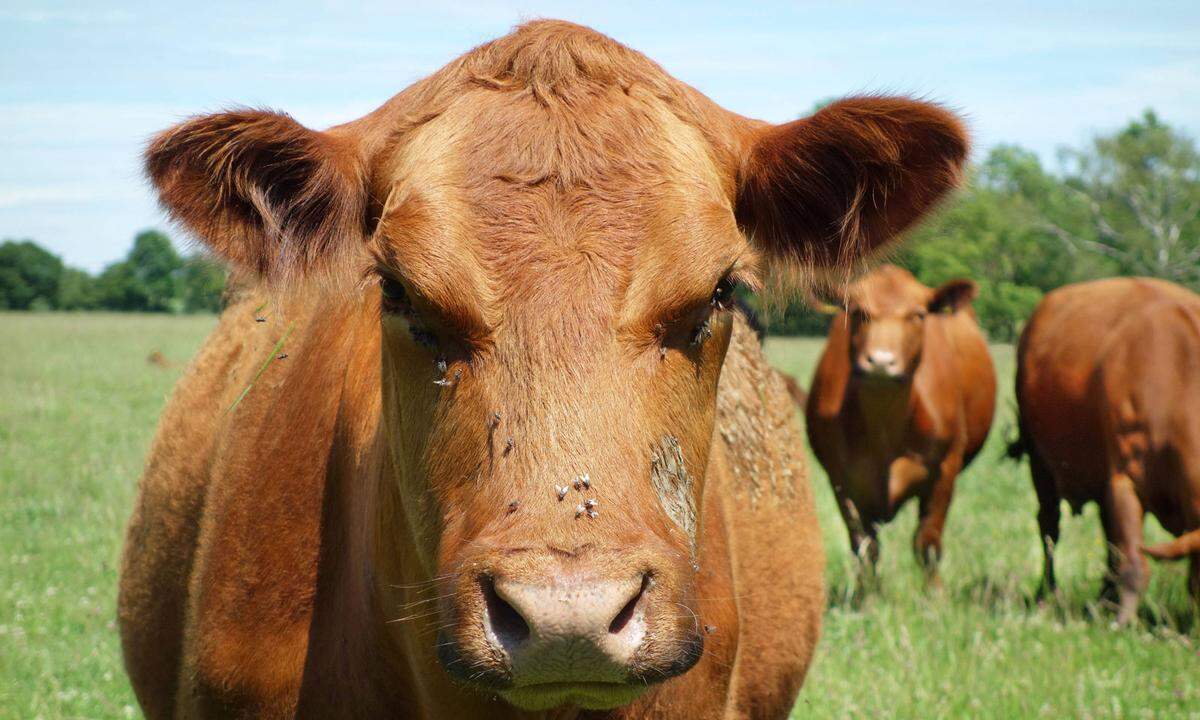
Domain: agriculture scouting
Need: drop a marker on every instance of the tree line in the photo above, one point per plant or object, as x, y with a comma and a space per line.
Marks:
1127, 203
153, 277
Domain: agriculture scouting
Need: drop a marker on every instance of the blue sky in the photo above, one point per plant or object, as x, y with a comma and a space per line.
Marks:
82, 85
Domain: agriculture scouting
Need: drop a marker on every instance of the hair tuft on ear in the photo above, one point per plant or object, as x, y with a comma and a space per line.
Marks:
259, 189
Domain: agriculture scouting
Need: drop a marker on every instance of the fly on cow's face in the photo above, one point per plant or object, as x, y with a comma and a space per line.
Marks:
561, 492
447, 382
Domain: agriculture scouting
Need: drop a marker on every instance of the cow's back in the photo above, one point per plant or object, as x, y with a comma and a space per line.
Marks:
1148, 387
1059, 354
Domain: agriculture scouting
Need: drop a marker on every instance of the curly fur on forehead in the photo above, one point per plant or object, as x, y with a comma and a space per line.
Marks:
562, 68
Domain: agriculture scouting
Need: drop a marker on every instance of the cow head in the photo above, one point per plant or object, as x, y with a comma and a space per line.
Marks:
552, 230
887, 312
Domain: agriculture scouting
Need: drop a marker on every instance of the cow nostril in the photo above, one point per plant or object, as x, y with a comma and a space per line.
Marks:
506, 623
622, 618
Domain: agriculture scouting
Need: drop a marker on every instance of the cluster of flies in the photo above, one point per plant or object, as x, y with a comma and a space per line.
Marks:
581, 484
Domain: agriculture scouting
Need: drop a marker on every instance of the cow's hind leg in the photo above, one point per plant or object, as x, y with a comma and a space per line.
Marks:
1049, 514
1121, 511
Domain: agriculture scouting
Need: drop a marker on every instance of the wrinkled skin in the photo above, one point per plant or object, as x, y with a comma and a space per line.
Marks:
523, 454
902, 400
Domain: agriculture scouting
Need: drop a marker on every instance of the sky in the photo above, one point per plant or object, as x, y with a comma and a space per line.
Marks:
84, 84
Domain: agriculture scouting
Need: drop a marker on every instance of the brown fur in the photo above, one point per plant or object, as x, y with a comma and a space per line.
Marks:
1107, 386
548, 217
883, 442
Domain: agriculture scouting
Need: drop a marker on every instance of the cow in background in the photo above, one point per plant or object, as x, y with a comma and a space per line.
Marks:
901, 401
1108, 389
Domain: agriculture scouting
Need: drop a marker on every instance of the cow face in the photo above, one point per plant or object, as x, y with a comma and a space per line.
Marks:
887, 312
551, 230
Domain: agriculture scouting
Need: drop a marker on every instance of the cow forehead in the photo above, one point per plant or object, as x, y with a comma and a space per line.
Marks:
579, 204
888, 291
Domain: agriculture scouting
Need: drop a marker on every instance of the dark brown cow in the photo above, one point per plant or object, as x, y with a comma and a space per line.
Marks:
1108, 385
502, 417
901, 402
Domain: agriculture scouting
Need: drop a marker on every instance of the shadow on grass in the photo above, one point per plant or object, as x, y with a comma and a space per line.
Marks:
1177, 616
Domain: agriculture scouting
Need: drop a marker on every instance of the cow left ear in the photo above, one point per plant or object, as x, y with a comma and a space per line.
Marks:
825, 190
952, 296
261, 190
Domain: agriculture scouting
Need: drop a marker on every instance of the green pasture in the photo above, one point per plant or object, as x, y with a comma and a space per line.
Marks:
79, 403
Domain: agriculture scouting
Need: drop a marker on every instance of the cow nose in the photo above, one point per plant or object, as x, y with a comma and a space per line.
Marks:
881, 362
574, 628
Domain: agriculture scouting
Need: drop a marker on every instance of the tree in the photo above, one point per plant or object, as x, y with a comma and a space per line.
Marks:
202, 283
155, 265
77, 291
117, 288
1134, 199
147, 280
29, 276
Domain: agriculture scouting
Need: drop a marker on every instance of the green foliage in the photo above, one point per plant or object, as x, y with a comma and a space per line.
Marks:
28, 276
76, 290
152, 278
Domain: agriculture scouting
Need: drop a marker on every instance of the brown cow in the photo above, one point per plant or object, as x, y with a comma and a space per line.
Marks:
502, 417
901, 402
1108, 382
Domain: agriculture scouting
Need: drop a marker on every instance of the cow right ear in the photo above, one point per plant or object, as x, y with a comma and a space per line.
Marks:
953, 295
825, 190
261, 190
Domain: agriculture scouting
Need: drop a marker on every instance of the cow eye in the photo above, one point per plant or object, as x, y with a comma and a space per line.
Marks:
395, 297
722, 297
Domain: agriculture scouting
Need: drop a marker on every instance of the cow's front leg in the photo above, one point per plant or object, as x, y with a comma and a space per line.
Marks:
935, 505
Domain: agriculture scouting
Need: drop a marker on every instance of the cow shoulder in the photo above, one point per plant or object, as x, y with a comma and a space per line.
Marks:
253, 588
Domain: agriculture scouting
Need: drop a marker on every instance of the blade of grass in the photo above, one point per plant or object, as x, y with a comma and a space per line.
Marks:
263, 368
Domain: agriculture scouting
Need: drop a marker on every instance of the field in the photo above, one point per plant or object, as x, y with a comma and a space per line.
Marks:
78, 406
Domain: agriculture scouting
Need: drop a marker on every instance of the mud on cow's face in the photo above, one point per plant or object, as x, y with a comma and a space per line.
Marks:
552, 273
887, 311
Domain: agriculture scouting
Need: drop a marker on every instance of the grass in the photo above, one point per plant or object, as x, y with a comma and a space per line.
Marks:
79, 403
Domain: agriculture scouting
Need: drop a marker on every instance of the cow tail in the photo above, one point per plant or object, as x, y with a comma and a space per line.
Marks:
1182, 546
1016, 449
